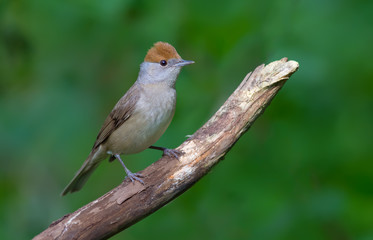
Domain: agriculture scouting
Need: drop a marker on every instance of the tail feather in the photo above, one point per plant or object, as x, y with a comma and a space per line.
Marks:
82, 175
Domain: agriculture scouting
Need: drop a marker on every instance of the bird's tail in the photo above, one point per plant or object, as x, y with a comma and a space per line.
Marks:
82, 175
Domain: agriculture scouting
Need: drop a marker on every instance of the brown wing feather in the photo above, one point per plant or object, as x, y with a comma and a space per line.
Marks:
120, 113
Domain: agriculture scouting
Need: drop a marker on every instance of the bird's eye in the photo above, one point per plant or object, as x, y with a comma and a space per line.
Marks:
163, 62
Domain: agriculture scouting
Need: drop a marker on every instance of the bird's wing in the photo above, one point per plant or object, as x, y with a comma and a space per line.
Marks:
120, 113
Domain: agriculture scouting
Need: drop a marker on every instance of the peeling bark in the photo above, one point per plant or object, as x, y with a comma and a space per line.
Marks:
168, 177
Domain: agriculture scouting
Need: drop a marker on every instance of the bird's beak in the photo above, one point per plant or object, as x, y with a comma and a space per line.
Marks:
183, 63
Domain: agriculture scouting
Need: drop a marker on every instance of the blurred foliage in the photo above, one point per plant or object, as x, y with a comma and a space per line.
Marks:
303, 171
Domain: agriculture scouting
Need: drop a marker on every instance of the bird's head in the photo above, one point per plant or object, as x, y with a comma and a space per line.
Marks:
162, 63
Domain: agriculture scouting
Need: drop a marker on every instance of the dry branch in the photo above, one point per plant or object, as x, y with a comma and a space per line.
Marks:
167, 178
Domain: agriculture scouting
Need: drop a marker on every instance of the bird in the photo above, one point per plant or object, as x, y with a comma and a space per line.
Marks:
140, 117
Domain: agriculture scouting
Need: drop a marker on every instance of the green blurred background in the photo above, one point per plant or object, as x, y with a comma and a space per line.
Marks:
303, 171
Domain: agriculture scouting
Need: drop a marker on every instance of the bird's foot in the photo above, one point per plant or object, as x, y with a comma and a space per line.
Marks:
130, 175
172, 153
135, 177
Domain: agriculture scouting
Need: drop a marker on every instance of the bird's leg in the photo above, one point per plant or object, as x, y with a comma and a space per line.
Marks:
168, 152
132, 176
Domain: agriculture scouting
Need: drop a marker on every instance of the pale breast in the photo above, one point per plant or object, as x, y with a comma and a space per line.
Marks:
152, 116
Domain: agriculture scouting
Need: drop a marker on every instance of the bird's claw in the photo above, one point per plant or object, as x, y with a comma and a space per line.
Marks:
135, 177
172, 153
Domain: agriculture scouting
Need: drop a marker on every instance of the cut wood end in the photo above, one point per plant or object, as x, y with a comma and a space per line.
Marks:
277, 71
265, 76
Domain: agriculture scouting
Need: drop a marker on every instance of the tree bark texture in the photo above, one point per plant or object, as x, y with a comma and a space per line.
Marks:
168, 177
